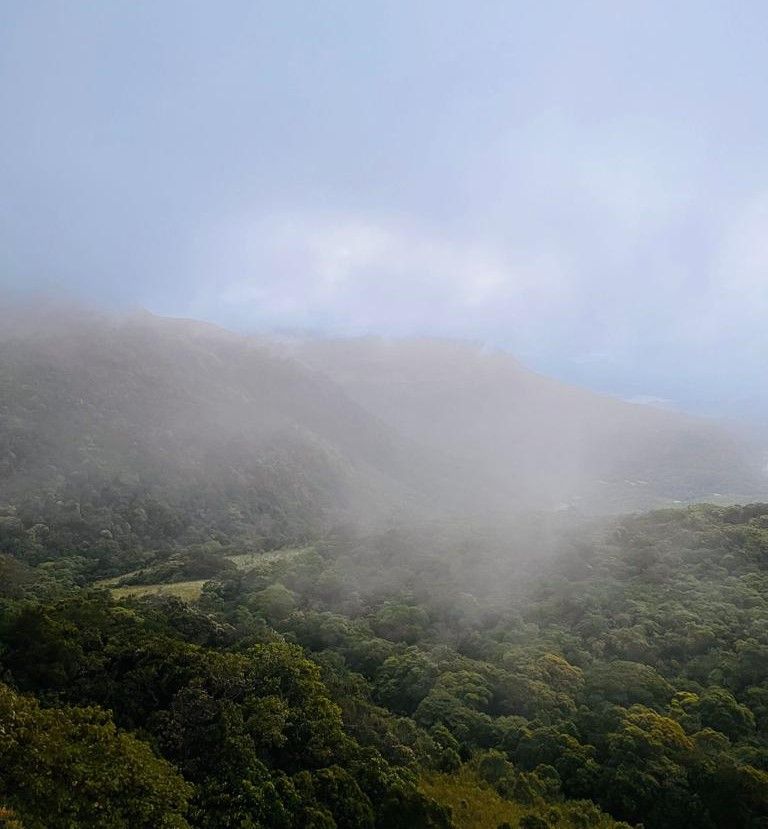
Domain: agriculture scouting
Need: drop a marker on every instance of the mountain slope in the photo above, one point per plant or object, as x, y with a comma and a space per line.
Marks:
535, 439
191, 415
188, 432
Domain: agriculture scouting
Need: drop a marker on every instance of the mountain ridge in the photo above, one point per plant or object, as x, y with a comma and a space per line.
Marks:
299, 433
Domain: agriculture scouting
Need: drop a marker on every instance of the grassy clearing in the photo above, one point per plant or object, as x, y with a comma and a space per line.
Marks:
113, 581
473, 805
247, 561
190, 590
187, 590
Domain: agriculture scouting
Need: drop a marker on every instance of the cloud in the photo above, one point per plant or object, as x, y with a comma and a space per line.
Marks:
741, 274
592, 250
356, 274
651, 400
729, 302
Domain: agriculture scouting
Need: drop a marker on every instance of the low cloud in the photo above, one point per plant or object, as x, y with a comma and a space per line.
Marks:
358, 275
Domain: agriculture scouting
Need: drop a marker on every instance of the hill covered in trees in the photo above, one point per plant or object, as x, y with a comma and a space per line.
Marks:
185, 430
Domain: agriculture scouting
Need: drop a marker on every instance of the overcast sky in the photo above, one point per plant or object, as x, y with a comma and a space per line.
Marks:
583, 183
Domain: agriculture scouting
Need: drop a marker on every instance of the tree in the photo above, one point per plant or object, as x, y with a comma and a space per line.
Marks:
65, 767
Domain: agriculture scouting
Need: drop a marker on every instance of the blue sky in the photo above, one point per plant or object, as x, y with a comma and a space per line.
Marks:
585, 184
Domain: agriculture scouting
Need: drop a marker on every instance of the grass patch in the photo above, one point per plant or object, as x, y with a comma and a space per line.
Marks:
247, 561
188, 590
113, 581
474, 805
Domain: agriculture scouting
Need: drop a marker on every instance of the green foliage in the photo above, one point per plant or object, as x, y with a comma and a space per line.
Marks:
361, 682
275, 602
64, 767
405, 679
254, 730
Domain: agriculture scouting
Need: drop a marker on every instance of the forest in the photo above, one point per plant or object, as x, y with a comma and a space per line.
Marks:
558, 671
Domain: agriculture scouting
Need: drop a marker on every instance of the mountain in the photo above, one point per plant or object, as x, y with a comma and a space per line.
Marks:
533, 439
154, 429
222, 430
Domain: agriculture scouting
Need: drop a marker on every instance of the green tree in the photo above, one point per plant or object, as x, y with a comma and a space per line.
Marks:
65, 767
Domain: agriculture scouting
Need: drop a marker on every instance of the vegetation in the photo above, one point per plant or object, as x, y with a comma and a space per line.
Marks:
547, 674
72, 767
179, 431
188, 590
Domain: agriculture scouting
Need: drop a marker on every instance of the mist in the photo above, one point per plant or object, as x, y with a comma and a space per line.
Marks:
356, 430
383, 432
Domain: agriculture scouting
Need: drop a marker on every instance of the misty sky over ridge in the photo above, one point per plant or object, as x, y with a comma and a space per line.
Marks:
584, 184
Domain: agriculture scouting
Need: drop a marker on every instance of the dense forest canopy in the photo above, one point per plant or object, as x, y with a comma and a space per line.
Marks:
562, 673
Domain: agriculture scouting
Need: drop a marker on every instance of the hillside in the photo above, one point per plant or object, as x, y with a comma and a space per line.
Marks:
153, 431
187, 641
182, 427
534, 439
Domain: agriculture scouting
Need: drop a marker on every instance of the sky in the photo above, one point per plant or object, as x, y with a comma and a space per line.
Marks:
583, 184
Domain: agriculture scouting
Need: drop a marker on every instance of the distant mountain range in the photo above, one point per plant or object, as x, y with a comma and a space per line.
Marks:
303, 433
